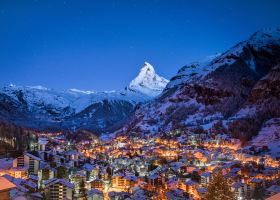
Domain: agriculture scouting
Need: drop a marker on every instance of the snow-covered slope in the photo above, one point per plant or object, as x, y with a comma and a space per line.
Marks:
37, 106
261, 41
148, 82
214, 91
269, 136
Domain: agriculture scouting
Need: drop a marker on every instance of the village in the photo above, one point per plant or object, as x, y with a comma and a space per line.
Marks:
162, 166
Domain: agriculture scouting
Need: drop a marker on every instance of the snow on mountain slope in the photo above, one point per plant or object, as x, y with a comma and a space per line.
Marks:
148, 82
262, 41
215, 89
145, 86
269, 136
39, 106
34, 97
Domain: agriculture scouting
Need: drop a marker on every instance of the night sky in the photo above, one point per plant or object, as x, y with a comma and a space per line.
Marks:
101, 45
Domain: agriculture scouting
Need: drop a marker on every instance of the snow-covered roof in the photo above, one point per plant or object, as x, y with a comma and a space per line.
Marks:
94, 192
61, 181
201, 190
33, 177
274, 189
6, 163
206, 174
33, 157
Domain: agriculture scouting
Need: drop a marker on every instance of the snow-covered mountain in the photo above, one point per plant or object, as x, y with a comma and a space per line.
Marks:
237, 91
148, 82
40, 107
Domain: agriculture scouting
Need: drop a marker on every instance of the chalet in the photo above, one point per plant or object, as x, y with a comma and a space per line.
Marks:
58, 189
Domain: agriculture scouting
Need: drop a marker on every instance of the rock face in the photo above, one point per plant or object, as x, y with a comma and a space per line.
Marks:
260, 108
229, 89
42, 108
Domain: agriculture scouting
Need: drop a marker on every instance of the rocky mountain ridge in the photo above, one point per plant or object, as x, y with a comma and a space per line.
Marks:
42, 108
236, 91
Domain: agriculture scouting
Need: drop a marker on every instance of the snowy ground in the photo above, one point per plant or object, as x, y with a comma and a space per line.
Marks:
269, 136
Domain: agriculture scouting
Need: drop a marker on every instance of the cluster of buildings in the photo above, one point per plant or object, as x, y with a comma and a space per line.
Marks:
127, 167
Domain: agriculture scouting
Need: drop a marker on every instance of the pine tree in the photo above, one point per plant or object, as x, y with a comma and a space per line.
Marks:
219, 189
62, 172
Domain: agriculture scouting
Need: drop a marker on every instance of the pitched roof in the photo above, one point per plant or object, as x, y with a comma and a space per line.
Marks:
61, 181
274, 188
32, 156
5, 184
274, 197
94, 191
206, 174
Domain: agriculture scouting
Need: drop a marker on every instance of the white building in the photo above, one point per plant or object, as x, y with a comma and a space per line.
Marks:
32, 163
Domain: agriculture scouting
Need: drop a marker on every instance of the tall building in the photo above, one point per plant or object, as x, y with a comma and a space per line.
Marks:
19, 161
205, 179
58, 189
32, 163
45, 173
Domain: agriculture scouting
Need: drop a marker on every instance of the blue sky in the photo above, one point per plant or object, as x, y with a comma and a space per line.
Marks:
101, 45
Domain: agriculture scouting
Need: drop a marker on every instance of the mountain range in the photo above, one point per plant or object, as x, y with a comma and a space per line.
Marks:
235, 92
48, 109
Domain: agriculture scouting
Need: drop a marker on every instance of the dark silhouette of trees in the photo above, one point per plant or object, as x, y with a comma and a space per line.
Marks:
219, 189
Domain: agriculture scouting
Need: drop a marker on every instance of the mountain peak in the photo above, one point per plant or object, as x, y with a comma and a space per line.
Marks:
265, 37
147, 67
148, 82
